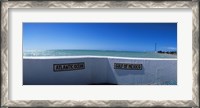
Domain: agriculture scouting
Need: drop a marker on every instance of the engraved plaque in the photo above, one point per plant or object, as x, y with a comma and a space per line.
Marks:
68, 67
127, 66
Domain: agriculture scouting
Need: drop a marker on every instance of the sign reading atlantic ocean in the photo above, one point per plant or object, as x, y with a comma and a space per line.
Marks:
68, 67
99, 53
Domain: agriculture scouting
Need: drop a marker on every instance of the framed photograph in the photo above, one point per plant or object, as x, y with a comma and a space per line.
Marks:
99, 53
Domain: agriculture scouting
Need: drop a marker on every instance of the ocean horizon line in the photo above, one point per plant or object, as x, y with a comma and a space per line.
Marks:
94, 50
131, 54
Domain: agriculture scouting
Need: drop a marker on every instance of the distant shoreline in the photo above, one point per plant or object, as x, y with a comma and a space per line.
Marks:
167, 52
135, 51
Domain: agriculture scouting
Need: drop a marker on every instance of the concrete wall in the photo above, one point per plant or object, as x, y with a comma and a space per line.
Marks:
39, 71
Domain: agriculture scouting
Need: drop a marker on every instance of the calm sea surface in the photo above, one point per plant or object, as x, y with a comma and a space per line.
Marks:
33, 53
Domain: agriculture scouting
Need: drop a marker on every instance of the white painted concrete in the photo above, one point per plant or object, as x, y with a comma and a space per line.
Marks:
39, 70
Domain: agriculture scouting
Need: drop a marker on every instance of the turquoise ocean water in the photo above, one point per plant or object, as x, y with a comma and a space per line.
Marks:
131, 54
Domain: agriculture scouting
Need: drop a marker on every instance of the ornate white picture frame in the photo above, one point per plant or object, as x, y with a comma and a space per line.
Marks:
6, 5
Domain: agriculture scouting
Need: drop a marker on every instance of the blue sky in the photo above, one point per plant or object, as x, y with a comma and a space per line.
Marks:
100, 36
